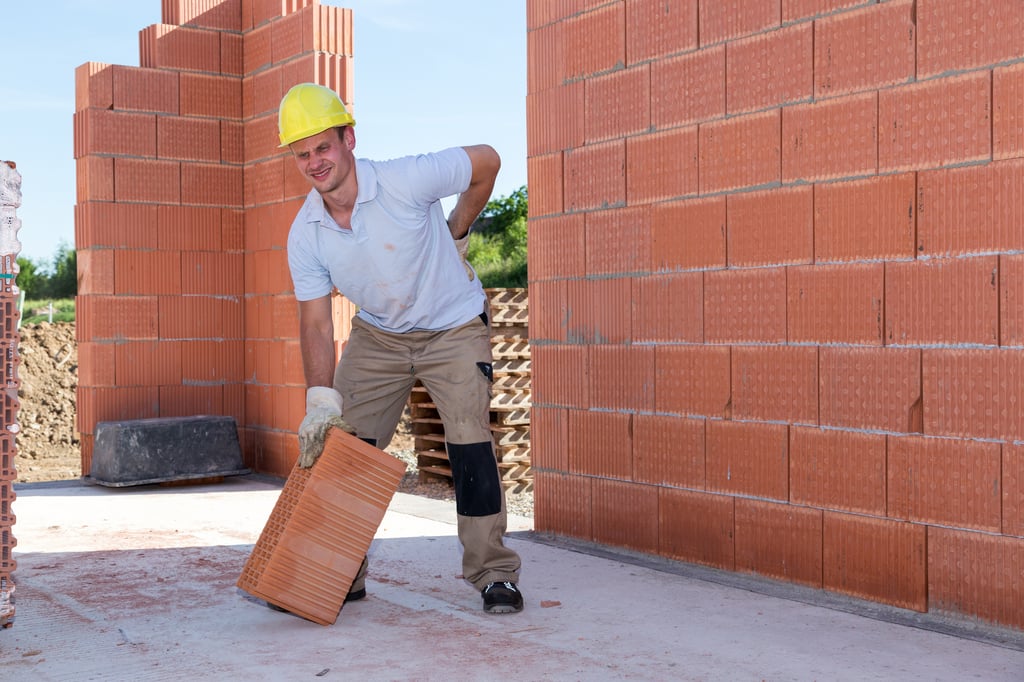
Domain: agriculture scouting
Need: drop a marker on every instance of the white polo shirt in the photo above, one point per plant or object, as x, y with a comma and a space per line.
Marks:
398, 263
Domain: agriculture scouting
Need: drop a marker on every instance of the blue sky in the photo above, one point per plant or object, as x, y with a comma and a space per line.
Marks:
428, 75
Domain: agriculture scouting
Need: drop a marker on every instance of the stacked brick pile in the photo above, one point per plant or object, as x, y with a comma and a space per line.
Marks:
510, 404
10, 199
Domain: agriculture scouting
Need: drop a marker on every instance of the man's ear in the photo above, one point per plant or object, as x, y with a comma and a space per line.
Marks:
348, 135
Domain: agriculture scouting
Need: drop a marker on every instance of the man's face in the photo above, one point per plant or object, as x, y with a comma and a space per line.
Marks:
325, 159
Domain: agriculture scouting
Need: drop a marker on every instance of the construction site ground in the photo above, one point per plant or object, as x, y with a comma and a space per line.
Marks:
138, 583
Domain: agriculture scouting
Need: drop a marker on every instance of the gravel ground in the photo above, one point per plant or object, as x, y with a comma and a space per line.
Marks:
520, 504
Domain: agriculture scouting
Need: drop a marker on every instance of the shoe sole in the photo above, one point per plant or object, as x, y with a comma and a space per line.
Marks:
503, 608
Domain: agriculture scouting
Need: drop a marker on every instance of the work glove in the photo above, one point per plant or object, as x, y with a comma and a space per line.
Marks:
462, 245
323, 410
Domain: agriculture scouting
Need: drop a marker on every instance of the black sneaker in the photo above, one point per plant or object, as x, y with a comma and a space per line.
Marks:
355, 595
503, 597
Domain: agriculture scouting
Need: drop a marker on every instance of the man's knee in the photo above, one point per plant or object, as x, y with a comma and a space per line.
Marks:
475, 474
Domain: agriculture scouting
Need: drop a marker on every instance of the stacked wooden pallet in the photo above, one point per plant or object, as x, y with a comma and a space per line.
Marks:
510, 403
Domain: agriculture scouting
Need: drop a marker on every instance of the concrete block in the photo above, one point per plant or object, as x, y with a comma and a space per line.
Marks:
158, 450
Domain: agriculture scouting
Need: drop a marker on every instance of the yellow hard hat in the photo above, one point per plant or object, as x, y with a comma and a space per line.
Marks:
309, 109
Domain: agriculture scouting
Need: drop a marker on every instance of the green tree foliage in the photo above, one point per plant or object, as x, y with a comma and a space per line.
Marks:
55, 280
497, 245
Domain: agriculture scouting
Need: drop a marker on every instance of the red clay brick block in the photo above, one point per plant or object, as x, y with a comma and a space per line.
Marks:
208, 184
830, 139
147, 272
1011, 300
697, 528
286, 35
221, 14
563, 504
94, 86
835, 304
545, 57
116, 317
256, 49
600, 311
116, 225
211, 273
977, 575
744, 306
187, 228
147, 181
971, 210
740, 152
267, 91
874, 559
770, 69
1013, 489
655, 28
331, 30
177, 47
321, 528
1008, 112
796, 10
546, 180
871, 388
945, 481
961, 35
555, 119
885, 31
140, 89
692, 380
547, 11
261, 142
601, 444
775, 383
688, 234
948, 301
661, 165
101, 131
865, 219
187, 401
779, 541
734, 18
148, 363
210, 362
973, 393
199, 317
96, 362
688, 89
595, 41
548, 310
94, 179
622, 377
832, 469
556, 247
188, 139
771, 228
231, 57
617, 104
264, 181
618, 241
207, 95
634, 530
560, 375
748, 458
935, 123
668, 451
595, 176
669, 308
549, 438
95, 271
232, 142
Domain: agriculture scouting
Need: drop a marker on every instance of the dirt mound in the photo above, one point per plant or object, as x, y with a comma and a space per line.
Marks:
47, 442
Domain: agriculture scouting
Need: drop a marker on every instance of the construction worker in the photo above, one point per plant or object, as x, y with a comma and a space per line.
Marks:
376, 231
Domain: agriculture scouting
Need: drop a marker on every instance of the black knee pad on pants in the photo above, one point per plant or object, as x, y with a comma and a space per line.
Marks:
477, 488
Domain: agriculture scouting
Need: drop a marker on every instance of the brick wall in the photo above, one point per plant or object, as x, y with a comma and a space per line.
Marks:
776, 289
183, 208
